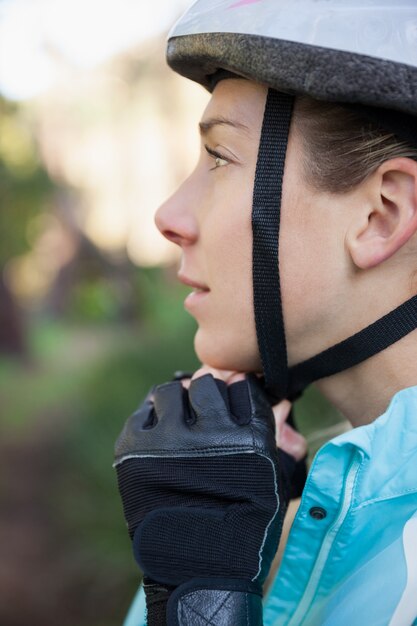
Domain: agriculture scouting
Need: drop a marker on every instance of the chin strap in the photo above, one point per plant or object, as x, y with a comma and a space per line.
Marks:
361, 346
266, 210
280, 380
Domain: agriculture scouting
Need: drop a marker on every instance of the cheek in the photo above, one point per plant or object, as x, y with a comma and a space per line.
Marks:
301, 265
309, 284
227, 337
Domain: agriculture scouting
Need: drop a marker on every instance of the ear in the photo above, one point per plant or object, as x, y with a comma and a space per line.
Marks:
389, 218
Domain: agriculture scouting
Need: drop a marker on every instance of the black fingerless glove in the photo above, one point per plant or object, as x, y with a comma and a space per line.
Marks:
204, 496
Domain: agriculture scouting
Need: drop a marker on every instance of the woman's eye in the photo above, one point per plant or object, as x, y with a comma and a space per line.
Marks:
219, 160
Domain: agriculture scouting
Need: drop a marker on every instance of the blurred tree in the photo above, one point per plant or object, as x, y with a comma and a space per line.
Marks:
24, 190
94, 286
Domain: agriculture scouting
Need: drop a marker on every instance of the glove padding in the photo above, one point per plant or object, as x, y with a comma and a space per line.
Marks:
203, 492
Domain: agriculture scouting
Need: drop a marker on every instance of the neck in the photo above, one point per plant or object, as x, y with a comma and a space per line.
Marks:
362, 393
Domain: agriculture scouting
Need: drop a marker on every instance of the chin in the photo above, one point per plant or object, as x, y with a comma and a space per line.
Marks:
226, 353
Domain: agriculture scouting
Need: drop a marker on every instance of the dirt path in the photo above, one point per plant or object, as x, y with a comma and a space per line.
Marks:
43, 580
28, 466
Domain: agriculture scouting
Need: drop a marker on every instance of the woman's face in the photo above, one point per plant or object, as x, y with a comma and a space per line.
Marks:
209, 216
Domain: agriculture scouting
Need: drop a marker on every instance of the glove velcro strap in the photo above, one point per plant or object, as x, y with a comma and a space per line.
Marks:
156, 601
215, 601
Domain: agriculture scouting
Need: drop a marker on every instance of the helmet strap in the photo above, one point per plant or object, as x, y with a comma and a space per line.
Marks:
376, 337
266, 210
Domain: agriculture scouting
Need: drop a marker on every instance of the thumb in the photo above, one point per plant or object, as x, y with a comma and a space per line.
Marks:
287, 438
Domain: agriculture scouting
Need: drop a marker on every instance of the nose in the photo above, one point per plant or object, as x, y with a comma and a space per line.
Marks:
175, 220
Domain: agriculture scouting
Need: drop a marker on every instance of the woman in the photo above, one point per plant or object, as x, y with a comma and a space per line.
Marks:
328, 90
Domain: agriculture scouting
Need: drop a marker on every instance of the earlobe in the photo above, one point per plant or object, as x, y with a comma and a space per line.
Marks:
390, 219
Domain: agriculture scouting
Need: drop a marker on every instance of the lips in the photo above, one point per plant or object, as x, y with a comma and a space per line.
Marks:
192, 283
195, 301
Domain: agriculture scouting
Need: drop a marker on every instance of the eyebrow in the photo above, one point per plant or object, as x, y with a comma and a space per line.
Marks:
206, 125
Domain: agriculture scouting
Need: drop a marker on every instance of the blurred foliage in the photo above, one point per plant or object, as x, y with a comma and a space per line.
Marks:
78, 389
318, 420
95, 300
24, 184
112, 391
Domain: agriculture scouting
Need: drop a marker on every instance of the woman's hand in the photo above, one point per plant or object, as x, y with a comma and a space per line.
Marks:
204, 490
288, 439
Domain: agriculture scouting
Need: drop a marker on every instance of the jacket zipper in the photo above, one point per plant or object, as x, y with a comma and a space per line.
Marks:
309, 593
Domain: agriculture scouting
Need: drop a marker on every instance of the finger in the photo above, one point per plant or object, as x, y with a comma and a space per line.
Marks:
287, 438
292, 442
168, 401
150, 397
235, 377
183, 377
228, 376
215, 372
239, 400
281, 412
207, 398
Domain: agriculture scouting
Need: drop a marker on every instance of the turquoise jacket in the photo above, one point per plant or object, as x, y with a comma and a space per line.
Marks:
351, 555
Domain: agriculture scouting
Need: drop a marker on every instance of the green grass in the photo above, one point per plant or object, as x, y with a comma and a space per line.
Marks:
60, 362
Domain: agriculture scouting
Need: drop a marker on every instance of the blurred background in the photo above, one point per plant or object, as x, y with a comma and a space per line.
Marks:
95, 132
